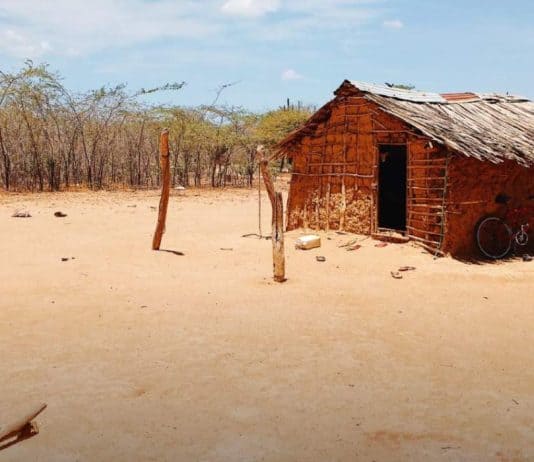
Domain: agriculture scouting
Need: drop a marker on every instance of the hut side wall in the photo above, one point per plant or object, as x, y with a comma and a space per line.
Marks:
473, 186
335, 172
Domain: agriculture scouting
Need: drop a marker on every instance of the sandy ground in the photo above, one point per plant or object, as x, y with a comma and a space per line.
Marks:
152, 356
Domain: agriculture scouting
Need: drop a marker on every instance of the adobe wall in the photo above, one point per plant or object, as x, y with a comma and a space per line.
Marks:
333, 171
472, 188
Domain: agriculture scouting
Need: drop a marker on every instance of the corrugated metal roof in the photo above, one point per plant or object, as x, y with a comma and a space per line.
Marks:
399, 93
496, 97
460, 97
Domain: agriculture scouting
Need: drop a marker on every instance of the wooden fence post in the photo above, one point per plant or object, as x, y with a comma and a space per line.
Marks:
165, 189
277, 220
279, 259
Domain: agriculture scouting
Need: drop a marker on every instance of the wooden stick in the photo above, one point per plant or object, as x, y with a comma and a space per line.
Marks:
11, 430
259, 203
165, 189
427, 167
335, 164
420, 239
426, 214
279, 261
429, 247
277, 220
327, 199
440, 161
354, 175
430, 178
343, 207
423, 231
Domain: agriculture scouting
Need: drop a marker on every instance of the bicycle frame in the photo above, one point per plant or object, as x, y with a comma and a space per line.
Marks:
496, 235
518, 219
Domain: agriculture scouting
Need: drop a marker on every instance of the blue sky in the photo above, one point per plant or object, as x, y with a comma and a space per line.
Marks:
275, 49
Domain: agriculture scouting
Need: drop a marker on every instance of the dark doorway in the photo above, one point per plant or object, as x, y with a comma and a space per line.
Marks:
392, 187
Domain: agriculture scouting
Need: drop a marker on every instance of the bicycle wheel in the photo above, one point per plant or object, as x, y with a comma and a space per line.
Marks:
494, 238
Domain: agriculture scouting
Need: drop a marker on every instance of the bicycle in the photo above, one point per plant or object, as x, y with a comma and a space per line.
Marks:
496, 236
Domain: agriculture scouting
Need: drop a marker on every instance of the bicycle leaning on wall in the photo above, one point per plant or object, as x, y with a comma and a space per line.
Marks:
497, 236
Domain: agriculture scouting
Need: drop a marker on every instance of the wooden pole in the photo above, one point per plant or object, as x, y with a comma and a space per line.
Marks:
165, 189
279, 260
11, 430
277, 219
259, 203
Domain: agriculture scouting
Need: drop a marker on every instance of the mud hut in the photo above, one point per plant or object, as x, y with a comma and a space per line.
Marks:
427, 165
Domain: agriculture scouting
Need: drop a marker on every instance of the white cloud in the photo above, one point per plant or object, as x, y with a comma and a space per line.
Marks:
304, 19
22, 45
77, 28
250, 8
393, 24
291, 74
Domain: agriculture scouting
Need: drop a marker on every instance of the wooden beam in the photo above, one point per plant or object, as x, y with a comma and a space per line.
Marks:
422, 231
15, 428
165, 189
353, 175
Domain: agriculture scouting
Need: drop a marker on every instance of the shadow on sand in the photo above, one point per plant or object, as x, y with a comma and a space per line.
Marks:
174, 252
488, 261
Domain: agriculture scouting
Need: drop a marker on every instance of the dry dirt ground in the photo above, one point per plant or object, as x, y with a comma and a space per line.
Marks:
153, 356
